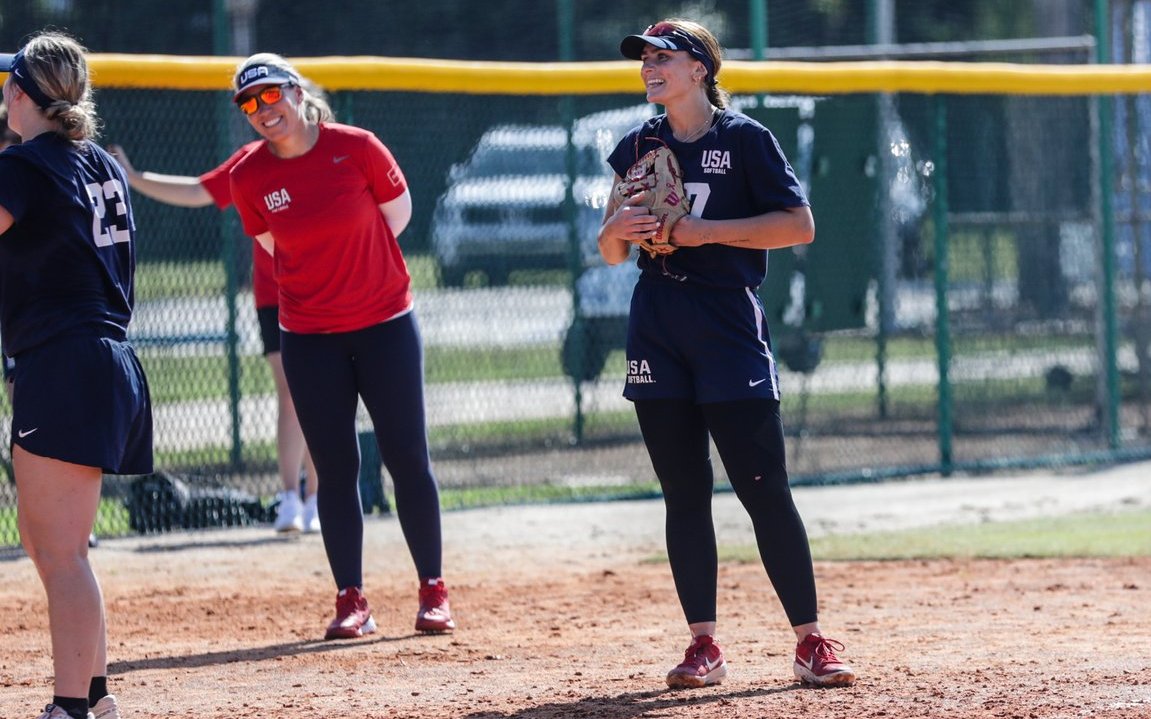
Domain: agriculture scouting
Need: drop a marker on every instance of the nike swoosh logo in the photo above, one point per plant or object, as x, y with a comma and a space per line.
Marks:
339, 158
807, 663
25, 432
755, 382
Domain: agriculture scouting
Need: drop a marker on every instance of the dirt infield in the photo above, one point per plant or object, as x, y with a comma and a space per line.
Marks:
562, 614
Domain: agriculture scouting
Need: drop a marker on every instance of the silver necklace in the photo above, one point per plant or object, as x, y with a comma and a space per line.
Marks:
699, 130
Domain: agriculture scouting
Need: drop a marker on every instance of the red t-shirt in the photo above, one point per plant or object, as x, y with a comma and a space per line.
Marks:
337, 263
219, 186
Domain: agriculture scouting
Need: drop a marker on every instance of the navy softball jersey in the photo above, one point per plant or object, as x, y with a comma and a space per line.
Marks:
66, 293
67, 263
697, 329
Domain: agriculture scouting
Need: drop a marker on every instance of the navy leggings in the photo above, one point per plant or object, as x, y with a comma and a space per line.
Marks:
749, 437
383, 365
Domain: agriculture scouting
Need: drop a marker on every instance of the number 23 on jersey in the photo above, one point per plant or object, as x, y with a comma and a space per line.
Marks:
108, 229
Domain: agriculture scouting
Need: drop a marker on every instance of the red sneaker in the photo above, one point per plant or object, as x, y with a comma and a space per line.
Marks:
353, 616
703, 665
435, 613
817, 665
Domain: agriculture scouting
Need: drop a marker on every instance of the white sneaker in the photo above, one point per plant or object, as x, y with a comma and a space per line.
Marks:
311, 515
106, 708
288, 517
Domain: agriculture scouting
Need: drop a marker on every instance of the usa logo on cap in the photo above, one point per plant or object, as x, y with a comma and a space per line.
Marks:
252, 73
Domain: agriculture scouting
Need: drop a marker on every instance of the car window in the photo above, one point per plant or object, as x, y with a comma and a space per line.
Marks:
498, 160
516, 160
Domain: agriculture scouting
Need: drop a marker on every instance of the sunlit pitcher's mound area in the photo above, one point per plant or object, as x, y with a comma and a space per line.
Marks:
569, 610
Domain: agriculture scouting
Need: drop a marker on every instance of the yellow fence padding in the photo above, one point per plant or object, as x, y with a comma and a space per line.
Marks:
591, 78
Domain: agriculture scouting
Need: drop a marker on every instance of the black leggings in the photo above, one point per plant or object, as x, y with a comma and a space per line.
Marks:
749, 437
327, 375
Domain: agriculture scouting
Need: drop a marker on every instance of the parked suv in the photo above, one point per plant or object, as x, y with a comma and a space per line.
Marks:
504, 207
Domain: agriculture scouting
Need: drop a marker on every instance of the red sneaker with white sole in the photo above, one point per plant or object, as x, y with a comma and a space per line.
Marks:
703, 665
435, 615
353, 616
817, 665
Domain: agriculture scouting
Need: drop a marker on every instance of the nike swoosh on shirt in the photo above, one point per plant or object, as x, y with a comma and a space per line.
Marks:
339, 158
755, 382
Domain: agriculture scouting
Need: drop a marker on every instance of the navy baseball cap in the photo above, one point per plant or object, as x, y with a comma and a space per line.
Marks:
14, 63
263, 70
666, 36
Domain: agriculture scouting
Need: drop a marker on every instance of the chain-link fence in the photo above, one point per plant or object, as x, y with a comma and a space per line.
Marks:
1021, 216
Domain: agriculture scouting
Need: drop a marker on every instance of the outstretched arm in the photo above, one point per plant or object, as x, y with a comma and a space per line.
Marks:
180, 190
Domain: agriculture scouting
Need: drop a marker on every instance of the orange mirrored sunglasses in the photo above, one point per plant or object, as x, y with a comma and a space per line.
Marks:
270, 95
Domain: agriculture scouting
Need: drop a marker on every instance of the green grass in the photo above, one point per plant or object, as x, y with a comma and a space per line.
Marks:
188, 379
851, 348
111, 521
215, 458
182, 379
534, 432
206, 278
163, 280
978, 256
475, 364
1103, 534
423, 270
185, 379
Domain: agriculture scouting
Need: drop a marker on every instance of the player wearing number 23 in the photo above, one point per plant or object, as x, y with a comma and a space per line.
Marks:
80, 406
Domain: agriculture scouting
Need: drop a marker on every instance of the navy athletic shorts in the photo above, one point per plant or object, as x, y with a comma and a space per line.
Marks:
705, 344
84, 399
269, 318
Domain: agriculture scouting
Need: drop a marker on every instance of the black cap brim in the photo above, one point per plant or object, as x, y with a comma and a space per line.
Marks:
632, 45
6, 61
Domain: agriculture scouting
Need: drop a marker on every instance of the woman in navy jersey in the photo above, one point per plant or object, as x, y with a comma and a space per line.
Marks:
328, 201
699, 357
80, 406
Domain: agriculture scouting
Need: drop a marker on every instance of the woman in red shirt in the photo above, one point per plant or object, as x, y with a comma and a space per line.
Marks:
214, 187
327, 201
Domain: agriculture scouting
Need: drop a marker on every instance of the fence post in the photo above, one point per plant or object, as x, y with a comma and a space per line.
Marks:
881, 31
1108, 361
229, 131
565, 23
942, 274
